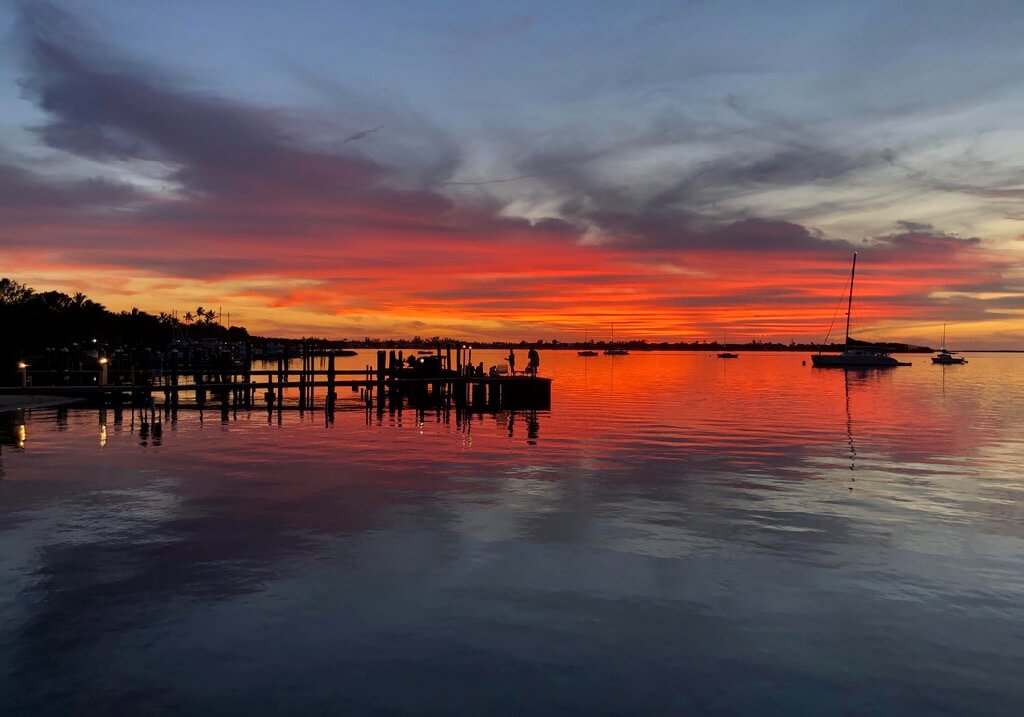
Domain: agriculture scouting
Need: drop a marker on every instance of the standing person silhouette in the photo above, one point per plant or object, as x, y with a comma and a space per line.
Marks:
512, 362
534, 362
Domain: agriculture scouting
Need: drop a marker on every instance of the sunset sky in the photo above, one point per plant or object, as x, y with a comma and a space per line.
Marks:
523, 170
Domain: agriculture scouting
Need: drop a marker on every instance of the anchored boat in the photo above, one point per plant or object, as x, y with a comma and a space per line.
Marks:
856, 354
946, 357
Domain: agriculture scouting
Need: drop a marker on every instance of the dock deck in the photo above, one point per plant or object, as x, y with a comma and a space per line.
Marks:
304, 388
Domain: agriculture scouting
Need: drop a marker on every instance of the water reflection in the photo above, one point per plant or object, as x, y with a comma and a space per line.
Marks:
12, 428
679, 537
12, 433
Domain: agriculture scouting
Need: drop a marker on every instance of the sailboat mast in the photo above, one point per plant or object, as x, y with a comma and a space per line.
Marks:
849, 303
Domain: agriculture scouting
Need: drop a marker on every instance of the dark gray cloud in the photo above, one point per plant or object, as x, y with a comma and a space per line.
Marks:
235, 170
202, 266
915, 227
670, 231
923, 241
103, 107
23, 191
538, 287
678, 204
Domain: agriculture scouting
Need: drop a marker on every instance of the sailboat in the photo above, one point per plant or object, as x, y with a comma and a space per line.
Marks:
856, 354
727, 354
611, 350
945, 356
586, 352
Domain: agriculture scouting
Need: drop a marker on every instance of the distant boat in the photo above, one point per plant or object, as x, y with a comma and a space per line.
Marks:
614, 351
586, 352
856, 354
727, 354
346, 352
946, 357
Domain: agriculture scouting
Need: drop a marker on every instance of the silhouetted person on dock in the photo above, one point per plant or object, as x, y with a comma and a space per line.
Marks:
512, 362
534, 363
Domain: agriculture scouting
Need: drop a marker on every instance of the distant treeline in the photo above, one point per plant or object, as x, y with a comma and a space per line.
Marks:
32, 321
418, 342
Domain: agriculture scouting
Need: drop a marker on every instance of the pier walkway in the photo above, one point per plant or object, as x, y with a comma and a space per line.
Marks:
422, 382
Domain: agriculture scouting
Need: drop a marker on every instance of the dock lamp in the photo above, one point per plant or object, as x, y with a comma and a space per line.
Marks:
103, 371
23, 368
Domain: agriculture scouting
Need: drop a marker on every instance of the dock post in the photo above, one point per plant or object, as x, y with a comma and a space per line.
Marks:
302, 375
225, 376
312, 377
331, 394
199, 380
309, 374
174, 376
479, 395
280, 380
381, 356
246, 368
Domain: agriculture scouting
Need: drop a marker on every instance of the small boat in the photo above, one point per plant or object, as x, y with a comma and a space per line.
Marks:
946, 357
346, 352
727, 354
586, 352
856, 354
614, 351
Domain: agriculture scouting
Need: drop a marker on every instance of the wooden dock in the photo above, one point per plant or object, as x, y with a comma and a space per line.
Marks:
423, 382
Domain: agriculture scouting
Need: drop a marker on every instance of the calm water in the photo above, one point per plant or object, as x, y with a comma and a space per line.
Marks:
678, 535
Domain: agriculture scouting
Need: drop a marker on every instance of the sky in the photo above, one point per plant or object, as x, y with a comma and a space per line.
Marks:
648, 170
